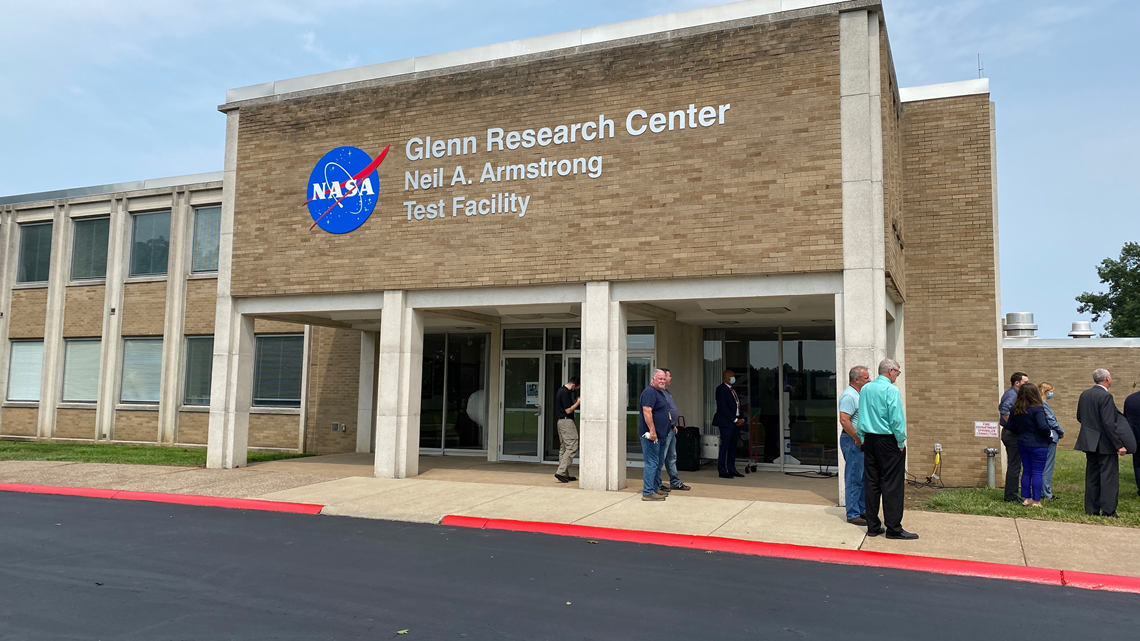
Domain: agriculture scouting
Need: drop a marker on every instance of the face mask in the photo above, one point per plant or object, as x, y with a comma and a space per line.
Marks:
731, 379
1049, 396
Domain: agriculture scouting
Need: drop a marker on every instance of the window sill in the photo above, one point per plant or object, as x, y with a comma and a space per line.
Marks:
30, 286
31, 404
146, 279
205, 409
86, 283
137, 407
77, 406
295, 411
202, 276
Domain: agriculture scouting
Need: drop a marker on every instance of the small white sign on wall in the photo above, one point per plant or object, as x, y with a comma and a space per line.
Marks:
532, 393
986, 429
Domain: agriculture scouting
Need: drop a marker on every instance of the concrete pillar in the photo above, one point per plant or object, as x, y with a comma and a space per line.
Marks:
110, 360
232, 376
494, 409
399, 381
603, 420
181, 241
367, 391
860, 322
51, 380
8, 252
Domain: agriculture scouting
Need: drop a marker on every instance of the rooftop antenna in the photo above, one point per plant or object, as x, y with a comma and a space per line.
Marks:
980, 67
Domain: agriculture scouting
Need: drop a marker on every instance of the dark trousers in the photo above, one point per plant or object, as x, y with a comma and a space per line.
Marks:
1012, 467
726, 456
1136, 458
884, 468
1102, 483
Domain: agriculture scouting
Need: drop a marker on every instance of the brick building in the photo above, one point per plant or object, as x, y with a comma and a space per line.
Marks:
743, 186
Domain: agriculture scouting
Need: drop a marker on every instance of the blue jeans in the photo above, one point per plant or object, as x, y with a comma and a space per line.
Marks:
1047, 475
652, 451
856, 499
1032, 467
670, 458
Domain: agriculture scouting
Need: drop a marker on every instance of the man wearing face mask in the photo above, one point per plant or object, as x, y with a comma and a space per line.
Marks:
729, 420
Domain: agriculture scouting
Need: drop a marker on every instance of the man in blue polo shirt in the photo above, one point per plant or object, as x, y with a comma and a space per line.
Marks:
652, 422
852, 446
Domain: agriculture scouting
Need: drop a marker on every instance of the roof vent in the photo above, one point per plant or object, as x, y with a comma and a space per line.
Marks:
1082, 329
1019, 324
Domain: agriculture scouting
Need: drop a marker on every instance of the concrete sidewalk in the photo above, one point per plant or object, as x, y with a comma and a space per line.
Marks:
1102, 549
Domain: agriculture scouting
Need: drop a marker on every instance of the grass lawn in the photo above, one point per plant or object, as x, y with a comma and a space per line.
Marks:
115, 453
1068, 487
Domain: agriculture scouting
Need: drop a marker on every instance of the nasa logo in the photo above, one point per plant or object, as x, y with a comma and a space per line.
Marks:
343, 189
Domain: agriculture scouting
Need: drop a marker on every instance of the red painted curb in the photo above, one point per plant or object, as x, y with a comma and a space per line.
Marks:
953, 567
160, 497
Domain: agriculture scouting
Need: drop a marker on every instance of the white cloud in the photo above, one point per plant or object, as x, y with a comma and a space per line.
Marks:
310, 46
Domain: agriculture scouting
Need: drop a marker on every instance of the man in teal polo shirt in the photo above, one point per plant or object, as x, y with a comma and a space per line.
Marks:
882, 429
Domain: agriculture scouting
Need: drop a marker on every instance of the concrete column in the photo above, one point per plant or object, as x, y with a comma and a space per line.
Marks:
232, 375
110, 359
51, 381
860, 323
8, 252
399, 380
602, 440
367, 391
170, 395
494, 406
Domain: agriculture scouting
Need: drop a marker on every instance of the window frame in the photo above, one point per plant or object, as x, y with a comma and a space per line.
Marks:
20, 251
135, 217
106, 253
194, 240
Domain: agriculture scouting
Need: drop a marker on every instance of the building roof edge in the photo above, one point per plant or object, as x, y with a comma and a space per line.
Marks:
1072, 343
113, 188
945, 90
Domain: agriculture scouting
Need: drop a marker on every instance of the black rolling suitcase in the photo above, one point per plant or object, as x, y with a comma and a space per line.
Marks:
688, 448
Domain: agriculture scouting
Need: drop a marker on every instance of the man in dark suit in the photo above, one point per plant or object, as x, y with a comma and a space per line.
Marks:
1096, 412
728, 419
1132, 413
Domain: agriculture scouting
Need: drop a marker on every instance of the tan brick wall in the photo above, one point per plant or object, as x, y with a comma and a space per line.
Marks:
71, 423
266, 326
193, 427
201, 305
759, 194
28, 313
892, 167
136, 425
83, 311
951, 335
274, 430
19, 421
334, 384
144, 308
1070, 371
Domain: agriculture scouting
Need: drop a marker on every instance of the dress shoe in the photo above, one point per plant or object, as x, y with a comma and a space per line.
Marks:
727, 476
562, 479
860, 521
571, 478
738, 474
652, 497
664, 489
878, 532
902, 535
682, 487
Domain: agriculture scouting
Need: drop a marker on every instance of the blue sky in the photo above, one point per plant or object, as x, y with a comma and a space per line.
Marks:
101, 91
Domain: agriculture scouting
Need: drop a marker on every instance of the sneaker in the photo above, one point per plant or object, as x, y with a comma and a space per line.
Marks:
653, 497
682, 487
665, 488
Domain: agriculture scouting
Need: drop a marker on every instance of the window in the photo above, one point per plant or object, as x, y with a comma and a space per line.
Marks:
639, 338
81, 371
89, 248
277, 365
523, 339
199, 362
207, 237
142, 370
24, 370
150, 243
35, 253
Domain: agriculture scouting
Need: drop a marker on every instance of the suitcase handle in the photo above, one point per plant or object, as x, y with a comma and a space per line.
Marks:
681, 421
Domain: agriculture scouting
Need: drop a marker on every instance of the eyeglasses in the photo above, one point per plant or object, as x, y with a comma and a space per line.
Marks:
895, 369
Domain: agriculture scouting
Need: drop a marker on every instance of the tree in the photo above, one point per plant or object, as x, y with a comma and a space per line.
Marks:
1122, 301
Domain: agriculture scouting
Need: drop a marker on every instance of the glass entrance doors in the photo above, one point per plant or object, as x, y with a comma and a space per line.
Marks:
522, 407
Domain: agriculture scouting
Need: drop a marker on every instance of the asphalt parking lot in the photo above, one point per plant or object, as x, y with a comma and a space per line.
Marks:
80, 568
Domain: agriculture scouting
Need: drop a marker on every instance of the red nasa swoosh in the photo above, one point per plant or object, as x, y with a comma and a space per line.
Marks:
363, 172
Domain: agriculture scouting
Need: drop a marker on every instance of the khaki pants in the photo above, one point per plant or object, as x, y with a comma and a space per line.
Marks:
568, 434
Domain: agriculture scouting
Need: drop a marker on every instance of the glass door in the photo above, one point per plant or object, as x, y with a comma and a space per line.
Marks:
522, 407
